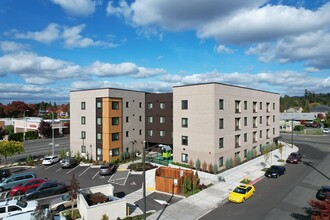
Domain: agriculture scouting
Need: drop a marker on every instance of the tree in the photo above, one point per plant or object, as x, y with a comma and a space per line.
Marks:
45, 129
327, 120
198, 164
320, 209
73, 190
280, 150
2, 133
9, 148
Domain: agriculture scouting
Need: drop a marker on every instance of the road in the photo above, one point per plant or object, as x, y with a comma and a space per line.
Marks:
286, 197
40, 148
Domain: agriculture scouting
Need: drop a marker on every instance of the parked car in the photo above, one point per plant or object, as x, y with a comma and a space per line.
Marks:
325, 131
68, 162
16, 179
241, 193
22, 188
294, 157
4, 173
323, 193
49, 160
107, 169
46, 189
275, 171
62, 203
15, 206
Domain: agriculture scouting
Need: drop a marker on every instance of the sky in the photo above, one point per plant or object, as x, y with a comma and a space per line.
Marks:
51, 47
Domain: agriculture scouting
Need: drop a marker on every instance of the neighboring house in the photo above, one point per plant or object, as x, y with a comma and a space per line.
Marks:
322, 109
287, 119
294, 110
214, 122
104, 203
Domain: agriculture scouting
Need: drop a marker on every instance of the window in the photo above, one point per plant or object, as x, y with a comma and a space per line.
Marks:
221, 126
245, 137
254, 107
268, 121
184, 104
273, 118
150, 133
98, 104
149, 119
237, 142
237, 124
184, 122
162, 119
140, 104
115, 120
260, 105
245, 153
260, 134
254, 122
83, 105
245, 121
83, 135
221, 107
273, 130
267, 104
220, 161
140, 132
150, 106
140, 118
162, 133
115, 152
184, 140
267, 134
254, 137
245, 105
115, 105
127, 104
83, 120
127, 133
99, 121
13, 208
260, 119
162, 105
184, 158
83, 149
2, 209
220, 142
127, 119
273, 106
99, 136
237, 106
115, 136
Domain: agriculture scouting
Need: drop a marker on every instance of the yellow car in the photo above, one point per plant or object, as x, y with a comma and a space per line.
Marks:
241, 193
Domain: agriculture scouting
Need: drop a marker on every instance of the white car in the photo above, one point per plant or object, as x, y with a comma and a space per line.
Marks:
326, 130
15, 207
62, 203
50, 160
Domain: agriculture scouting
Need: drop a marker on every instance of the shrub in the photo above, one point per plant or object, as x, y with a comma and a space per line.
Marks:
210, 168
249, 155
238, 160
299, 128
191, 163
215, 168
229, 163
198, 164
204, 166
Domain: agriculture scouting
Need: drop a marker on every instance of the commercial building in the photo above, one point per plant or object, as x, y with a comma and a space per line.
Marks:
213, 122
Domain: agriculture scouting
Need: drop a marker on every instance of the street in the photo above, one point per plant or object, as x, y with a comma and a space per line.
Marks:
287, 196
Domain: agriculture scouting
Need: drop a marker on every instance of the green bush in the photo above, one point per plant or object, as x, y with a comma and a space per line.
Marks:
215, 168
229, 163
198, 164
299, 127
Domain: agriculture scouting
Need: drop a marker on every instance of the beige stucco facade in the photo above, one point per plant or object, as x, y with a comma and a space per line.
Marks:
92, 113
250, 119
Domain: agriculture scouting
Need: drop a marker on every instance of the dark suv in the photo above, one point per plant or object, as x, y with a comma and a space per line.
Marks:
4, 173
107, 169
275, 171
323, 193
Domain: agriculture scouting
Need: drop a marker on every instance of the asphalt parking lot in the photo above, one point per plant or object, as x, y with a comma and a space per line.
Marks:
87, 176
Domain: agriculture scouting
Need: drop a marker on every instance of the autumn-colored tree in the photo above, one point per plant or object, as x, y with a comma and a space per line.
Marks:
9, 148
45, 129
73, 190
320, 209
204, 166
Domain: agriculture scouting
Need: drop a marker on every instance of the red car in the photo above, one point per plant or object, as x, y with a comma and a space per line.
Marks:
294, 157
22, 188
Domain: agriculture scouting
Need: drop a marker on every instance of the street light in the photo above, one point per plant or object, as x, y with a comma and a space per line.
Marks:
144, 181
24, 125
53, 146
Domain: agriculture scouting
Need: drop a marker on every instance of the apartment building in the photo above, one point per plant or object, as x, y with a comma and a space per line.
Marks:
213, 122
159, 118
106, 122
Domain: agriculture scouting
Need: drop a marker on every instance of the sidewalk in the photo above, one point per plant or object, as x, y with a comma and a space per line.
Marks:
198, 205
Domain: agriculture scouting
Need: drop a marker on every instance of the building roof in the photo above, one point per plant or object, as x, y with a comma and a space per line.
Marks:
297, 116
320, 108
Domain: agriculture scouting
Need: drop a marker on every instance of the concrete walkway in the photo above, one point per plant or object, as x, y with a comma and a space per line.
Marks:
198, 205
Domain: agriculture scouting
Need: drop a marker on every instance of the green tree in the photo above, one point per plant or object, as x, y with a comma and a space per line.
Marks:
280, 150
9, 129
198, 164
9, 148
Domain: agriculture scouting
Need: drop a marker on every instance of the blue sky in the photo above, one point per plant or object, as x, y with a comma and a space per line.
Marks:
50, 47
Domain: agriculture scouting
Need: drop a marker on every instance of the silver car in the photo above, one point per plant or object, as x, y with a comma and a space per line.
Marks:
68, 162
62, 203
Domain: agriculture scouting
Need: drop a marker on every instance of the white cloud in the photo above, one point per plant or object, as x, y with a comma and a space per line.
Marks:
311, 69
223, 49
10, 46
37, 69
77, 7
122, 69
50, 34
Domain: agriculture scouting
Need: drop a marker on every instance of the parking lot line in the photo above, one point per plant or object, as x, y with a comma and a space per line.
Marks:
50, 166
85, 170
58, 170
126, 178
95, 174
72, 169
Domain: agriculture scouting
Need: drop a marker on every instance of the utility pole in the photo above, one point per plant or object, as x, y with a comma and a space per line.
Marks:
144, 182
